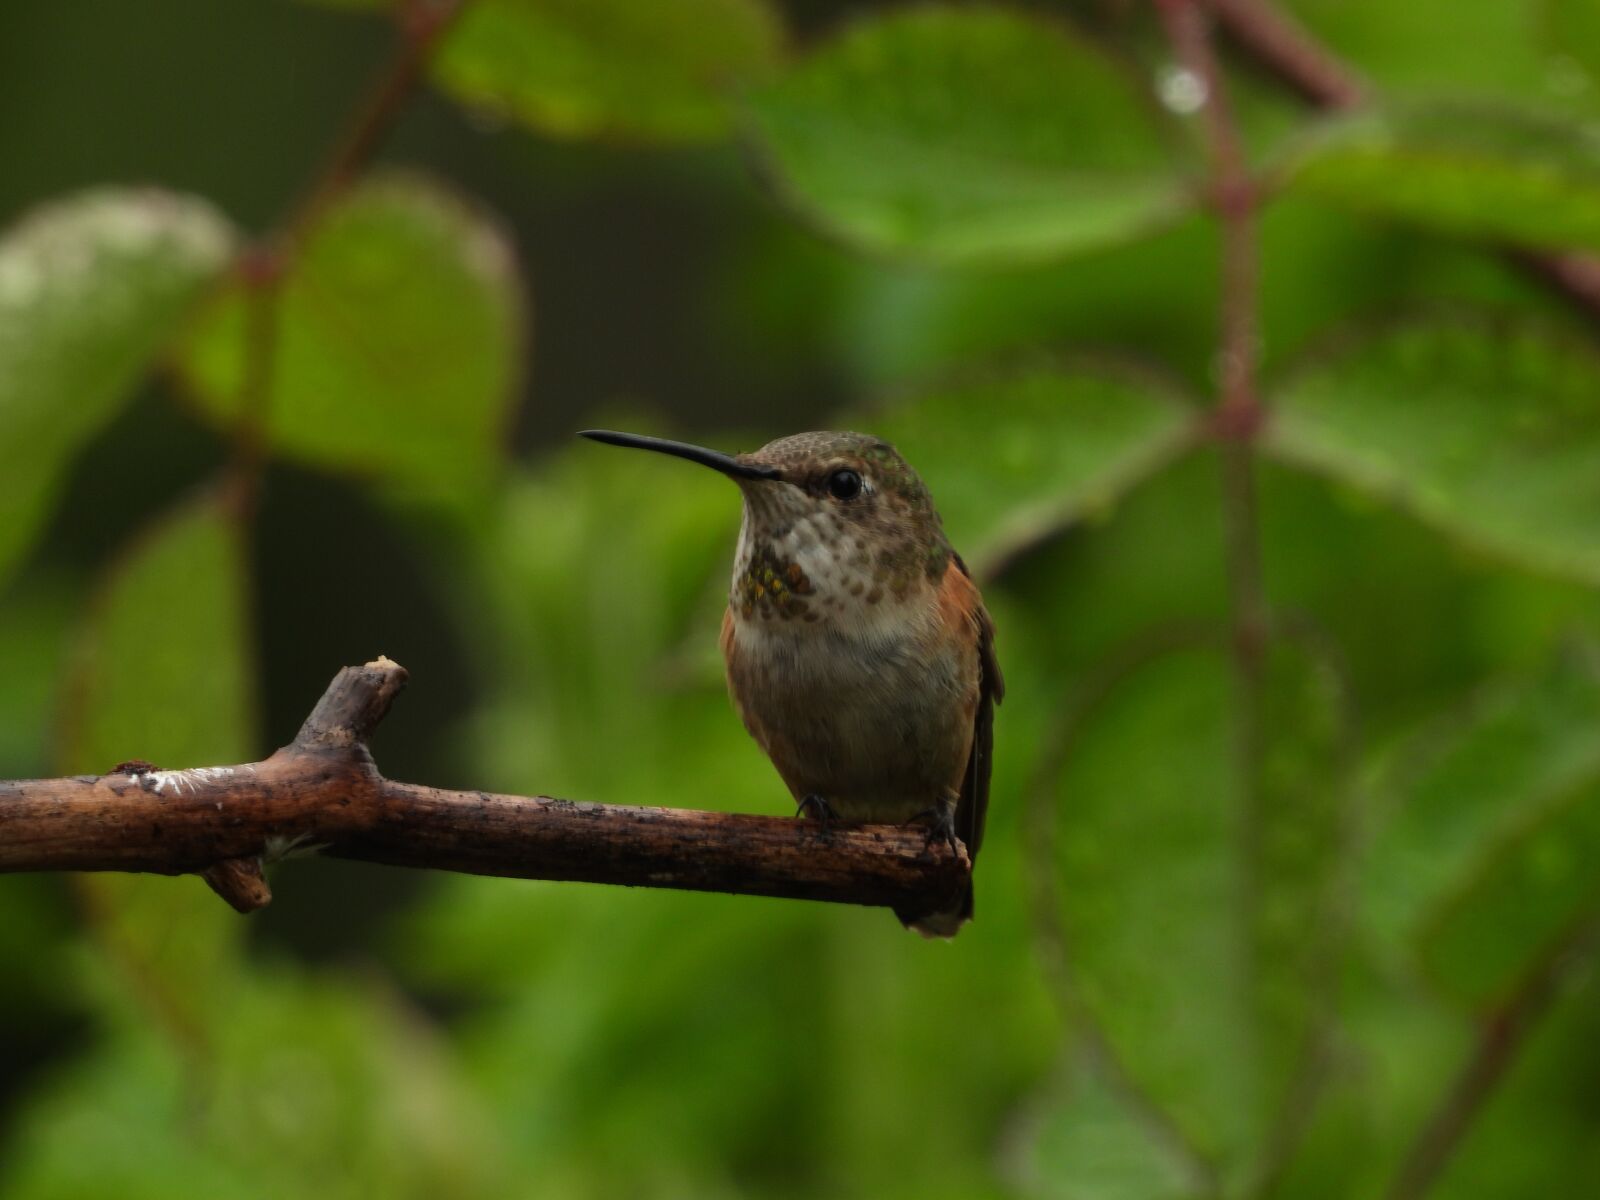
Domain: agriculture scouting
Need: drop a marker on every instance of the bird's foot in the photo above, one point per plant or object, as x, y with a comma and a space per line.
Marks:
818, 809
941, 823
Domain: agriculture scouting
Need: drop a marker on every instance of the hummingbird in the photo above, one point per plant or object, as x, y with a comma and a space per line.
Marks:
859, 653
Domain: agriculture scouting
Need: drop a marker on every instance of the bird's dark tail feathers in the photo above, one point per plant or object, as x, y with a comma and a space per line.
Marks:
943, 922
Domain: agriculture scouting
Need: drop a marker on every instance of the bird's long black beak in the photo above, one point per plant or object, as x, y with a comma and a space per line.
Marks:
717, 461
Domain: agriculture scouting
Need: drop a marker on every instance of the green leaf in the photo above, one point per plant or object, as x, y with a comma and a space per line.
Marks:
1069, 438
1417, 621
1544, 882
1196, 924
1493, 846
1514, 50
634, 69
966, 135
398, 337
1492, 435
91, 291
166, 672
1089, 1144
1469, 169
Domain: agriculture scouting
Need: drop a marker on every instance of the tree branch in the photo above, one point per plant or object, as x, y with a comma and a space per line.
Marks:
324, 791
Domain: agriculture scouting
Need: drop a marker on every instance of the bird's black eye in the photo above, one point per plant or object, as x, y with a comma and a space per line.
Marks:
844, 485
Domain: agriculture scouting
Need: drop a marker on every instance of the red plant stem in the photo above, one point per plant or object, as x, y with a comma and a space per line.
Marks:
259, 268
1234, 199
1276, 39
422, 23
1283, 47
1236, 421
1500, 1037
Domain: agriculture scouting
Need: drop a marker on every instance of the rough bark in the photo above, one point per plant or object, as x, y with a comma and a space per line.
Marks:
324, 791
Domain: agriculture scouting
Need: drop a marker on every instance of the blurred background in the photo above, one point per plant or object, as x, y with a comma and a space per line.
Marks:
1304, 907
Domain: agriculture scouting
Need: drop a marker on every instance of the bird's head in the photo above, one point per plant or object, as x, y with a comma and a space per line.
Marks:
835, 523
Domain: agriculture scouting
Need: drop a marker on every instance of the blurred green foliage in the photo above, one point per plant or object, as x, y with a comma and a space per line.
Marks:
90, 291
1189, 977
